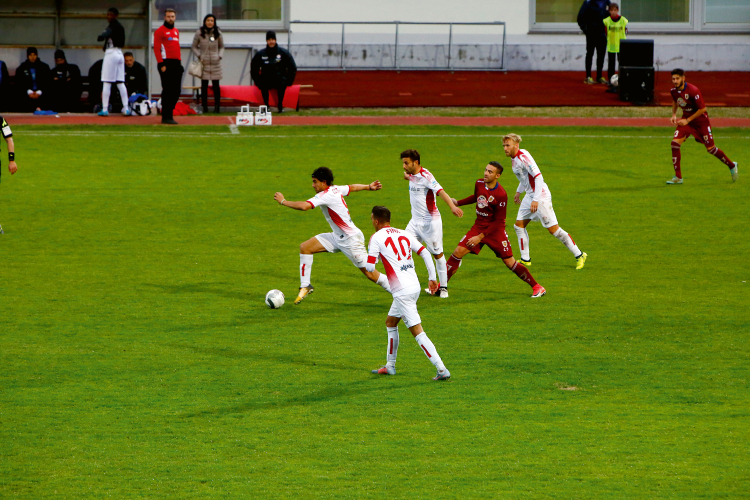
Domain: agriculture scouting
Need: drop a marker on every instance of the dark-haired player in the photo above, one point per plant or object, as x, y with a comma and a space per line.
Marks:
426, 223
8, 136
113, 67
345, 238
395, 248
489, 228
694, 122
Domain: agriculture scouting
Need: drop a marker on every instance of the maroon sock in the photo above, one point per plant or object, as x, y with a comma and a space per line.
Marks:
676, 159
523, 273
721, 156
452, 265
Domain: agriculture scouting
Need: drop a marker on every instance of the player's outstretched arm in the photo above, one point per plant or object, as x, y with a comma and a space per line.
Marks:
466, 201
449, 201
296, 205
373, 186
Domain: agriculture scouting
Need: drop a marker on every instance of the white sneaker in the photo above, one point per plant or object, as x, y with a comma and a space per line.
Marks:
676, 180
442, 292
734, 173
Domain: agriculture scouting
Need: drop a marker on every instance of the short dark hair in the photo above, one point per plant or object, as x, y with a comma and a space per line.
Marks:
323, 174
412, 154
614, 5
497, 166
678, 71
381, 214
170, 9
126, 54
113, 10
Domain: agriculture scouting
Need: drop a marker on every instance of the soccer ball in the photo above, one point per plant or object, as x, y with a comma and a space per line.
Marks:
614, 80
275, 299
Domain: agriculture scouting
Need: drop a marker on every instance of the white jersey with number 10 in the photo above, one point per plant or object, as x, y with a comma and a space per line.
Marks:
394, 248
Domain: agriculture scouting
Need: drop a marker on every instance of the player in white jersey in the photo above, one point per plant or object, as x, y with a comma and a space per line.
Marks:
426, 223
394, 248
345, 238
537, 204
113, 65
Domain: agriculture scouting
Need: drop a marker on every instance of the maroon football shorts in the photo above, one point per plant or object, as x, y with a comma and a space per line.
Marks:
699, 129
496, 240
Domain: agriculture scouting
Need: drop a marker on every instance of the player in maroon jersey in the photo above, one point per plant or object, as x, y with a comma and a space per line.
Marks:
489, 228
694, 122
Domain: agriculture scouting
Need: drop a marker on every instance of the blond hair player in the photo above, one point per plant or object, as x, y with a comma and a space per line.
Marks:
537, 204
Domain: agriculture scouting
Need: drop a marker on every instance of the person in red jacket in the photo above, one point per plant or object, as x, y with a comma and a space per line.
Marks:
167, 51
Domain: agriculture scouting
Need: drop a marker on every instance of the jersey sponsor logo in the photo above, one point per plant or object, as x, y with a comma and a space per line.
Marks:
481, 202
406, 267
482, 214
681, 102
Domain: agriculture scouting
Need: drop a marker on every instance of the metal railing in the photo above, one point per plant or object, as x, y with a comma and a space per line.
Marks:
396, 61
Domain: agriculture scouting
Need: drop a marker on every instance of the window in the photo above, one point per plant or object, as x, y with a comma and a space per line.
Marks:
185, 10
247, 10
727, 11
656, 11
557, 11
648, 16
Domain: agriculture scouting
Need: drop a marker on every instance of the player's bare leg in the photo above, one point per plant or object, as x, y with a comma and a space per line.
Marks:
523, 240
391, 325
676, 158
525, 275
567, 240
306, 251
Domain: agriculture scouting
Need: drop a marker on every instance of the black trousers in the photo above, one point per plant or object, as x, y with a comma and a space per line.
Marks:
171, 86
217, 95
597, 43
612, 56
279, 90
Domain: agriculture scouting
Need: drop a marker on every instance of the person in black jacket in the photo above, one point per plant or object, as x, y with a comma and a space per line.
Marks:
32, 79
113, 67
273, 68
136, 79
591, 21
4, 86
65, 88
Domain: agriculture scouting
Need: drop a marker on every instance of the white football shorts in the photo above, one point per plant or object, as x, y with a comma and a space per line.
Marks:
431, 234
544, 212
113, 67
353, 247
405, 307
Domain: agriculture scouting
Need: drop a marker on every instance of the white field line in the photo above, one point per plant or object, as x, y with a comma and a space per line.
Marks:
62, 133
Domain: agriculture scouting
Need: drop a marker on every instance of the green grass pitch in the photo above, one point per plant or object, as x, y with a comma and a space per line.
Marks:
140, 361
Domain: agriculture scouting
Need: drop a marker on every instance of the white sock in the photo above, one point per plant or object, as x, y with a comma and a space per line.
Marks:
429, 349
566, 240
523, 241
123, 95
442, 271
392, 350
383, 281
305, 269
106, 91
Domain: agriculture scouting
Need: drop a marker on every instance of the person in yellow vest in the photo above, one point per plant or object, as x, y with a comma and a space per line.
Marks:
616, 27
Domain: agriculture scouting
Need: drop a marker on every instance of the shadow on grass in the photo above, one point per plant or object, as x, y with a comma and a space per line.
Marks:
325, 394
623, 189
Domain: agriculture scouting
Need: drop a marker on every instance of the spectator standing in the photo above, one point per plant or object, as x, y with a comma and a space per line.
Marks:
273, 68
136, 79
617, 27
170, 66
590, 18
113, 67
65, 91
4, 85
32, 77
208, 47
